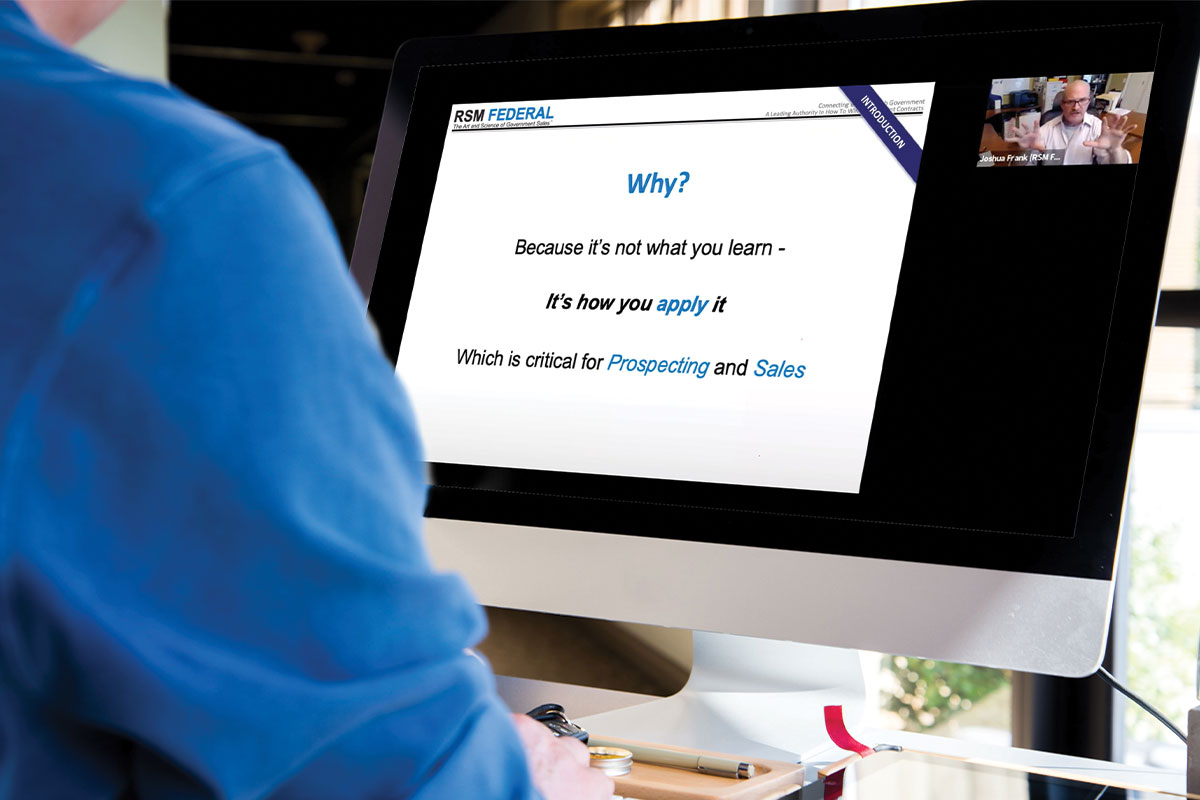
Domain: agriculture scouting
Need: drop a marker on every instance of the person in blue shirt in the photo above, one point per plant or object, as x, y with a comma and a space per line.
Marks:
212, 582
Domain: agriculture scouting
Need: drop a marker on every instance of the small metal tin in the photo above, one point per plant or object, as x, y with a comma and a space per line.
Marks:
612, 761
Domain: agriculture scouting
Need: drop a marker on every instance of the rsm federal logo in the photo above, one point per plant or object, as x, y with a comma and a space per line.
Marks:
503, 117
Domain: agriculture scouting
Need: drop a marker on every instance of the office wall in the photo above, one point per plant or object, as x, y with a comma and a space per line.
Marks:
133, 40
1137, 92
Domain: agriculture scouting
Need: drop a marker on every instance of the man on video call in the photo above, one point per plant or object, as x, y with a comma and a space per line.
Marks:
212, 578
1085, 139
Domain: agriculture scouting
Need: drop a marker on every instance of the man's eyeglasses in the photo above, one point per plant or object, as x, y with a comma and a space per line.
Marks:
1077, 103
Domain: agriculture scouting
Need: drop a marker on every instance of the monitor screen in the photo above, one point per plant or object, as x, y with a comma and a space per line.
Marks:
836, 284
684, 303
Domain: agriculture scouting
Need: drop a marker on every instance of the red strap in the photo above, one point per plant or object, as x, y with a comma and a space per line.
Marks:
835, 726
833, 786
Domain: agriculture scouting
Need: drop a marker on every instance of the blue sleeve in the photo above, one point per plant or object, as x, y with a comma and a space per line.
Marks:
216, 488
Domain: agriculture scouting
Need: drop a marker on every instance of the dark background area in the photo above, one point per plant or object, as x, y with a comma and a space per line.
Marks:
313, 75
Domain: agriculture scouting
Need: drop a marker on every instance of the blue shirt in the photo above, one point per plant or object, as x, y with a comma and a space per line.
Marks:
212, 582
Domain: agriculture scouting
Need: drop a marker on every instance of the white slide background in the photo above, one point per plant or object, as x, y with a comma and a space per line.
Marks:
826, 189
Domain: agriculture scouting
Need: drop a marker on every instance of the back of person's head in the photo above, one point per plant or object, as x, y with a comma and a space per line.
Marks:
68, 21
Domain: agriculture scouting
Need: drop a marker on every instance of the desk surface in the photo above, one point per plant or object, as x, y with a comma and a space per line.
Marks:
991, 112
584, 701
1133, 142
1161, 780
912, 775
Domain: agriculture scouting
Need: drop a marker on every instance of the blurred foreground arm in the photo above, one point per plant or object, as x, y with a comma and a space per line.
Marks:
214, 583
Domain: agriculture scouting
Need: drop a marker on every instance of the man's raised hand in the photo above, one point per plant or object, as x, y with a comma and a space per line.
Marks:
1030, 138
1112, 135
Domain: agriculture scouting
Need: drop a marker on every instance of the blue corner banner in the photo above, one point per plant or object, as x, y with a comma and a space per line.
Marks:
887, 126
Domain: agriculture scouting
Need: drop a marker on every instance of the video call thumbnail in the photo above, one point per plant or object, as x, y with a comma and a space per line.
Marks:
1065, 120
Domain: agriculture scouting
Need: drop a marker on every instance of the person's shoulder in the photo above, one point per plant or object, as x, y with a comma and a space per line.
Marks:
146, 135
94, 160
87, 131
174, 141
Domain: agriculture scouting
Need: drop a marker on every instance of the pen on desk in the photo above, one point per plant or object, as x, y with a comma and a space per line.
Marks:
709, 765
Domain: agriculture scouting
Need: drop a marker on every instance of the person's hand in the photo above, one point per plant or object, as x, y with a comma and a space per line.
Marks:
559, 765
1112, 135
1030, 138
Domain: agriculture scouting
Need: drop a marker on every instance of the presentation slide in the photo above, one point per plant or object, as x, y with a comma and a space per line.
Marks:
692, 287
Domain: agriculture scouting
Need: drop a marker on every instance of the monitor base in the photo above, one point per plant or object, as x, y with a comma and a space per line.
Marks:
753, 697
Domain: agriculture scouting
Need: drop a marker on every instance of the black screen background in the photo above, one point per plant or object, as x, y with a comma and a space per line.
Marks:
1009, 387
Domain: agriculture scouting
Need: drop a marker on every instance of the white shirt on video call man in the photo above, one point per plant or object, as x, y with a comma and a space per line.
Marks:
1085, 138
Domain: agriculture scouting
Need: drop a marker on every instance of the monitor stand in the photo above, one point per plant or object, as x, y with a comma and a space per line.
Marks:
752, 697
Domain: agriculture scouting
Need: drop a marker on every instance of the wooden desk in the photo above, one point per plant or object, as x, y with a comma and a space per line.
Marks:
991, 112
773, 779
1135, 117
995, 142
1133, 142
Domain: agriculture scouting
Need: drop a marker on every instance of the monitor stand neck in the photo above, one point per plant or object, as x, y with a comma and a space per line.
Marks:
750, 697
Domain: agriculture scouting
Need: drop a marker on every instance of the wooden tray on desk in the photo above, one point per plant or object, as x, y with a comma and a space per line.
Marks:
650, 782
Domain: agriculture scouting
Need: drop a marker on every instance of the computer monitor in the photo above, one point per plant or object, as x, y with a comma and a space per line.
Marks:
761, 327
